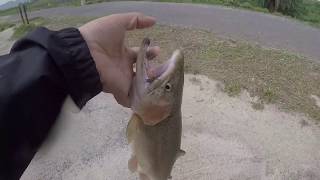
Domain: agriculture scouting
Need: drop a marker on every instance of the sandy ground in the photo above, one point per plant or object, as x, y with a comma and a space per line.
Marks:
223, 136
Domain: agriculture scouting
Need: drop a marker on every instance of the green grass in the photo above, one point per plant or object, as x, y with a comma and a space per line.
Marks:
52, 23
233, 88
5, 25
23, 29
9, 11
95, 1
246, 4
40, 4
44, 4
311, 13
57, 23
269, 95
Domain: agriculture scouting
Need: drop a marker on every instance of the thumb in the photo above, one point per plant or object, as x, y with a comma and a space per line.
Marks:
134, 20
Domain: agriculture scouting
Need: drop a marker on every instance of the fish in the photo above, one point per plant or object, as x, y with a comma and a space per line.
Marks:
154, 130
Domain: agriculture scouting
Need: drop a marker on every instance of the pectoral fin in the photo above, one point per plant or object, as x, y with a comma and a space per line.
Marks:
143, 176
132, 128
133, 164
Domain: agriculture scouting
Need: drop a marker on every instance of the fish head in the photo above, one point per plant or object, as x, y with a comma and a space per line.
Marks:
157, 90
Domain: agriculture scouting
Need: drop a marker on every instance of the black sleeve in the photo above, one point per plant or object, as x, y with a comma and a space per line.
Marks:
35, 78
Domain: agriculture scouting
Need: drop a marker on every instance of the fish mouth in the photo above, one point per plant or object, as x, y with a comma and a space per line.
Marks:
150, 97
159, 73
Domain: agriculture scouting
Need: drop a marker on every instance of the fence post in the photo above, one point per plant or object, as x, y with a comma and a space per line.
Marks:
21, 15
25, 13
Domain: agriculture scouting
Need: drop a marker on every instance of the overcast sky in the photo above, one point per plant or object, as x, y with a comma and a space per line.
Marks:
3, 1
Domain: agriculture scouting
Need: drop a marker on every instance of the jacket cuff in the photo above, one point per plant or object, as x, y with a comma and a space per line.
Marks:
80, 71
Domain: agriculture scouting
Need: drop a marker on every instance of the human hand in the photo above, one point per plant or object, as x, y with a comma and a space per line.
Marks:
114, 61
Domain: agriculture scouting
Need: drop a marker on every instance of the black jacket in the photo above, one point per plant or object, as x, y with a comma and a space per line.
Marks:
35, 78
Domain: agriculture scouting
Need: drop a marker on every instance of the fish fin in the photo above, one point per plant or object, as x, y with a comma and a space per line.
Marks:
132, 127
181, 153
133, 164
143, 177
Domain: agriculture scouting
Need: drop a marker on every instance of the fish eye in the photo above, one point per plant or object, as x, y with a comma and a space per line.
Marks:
168, 87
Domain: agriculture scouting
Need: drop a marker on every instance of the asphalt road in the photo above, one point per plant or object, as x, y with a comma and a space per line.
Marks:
265, 29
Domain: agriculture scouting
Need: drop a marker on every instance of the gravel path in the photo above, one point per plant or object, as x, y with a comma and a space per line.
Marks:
265, 29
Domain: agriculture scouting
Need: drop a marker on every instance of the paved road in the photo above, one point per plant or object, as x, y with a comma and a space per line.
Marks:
267, 30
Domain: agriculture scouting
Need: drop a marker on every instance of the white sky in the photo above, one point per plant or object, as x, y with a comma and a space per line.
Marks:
3, 1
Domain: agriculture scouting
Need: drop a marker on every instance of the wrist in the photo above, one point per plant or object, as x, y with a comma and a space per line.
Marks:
93, 49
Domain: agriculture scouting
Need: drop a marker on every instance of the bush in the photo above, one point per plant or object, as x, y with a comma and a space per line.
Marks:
292, 8
246, 5
234, 3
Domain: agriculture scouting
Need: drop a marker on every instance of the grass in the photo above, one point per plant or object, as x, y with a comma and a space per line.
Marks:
273, 76
44, 4
312, 13
5, 25
22, 29
9, 11
246, 4
233, 89
257, 105
51, 23
40, 4
63, 22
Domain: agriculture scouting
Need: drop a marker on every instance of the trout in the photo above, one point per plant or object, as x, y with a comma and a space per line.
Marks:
154, 130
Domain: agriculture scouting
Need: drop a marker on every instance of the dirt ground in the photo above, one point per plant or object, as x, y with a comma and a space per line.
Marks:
5, 43
224, 137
